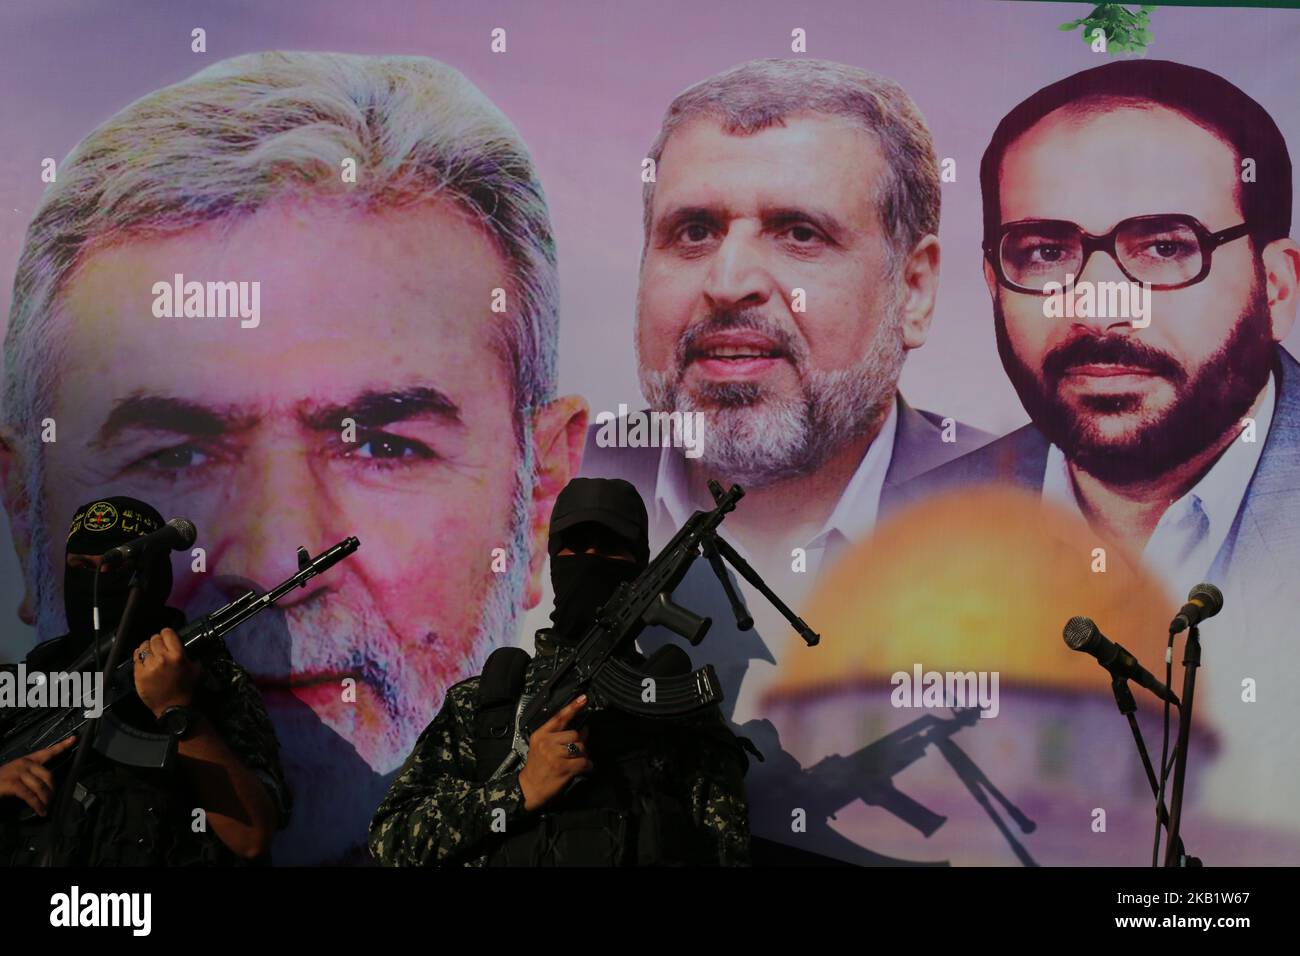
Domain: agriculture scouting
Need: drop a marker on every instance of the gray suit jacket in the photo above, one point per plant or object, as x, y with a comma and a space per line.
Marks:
1265, 536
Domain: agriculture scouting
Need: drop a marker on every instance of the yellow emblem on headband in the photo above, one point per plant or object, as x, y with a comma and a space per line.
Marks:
99, 517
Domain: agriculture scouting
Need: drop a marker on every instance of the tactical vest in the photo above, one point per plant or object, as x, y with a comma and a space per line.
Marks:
120, 816
623, 815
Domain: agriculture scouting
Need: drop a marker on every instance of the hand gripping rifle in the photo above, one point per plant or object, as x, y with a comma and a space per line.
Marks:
117, 741
595, 668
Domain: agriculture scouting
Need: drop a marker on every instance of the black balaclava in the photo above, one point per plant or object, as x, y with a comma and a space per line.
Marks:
609, 513
103, 524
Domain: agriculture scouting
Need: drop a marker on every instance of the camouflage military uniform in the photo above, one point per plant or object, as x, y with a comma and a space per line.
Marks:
141, 817
436, 813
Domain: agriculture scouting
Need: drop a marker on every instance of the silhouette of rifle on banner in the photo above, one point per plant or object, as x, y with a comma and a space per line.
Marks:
837, 781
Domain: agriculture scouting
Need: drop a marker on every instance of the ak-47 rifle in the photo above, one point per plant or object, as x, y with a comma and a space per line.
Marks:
835, 782
43, 727
868, 775
594, 666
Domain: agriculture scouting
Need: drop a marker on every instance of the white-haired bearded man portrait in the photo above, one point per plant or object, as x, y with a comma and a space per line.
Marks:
396, 383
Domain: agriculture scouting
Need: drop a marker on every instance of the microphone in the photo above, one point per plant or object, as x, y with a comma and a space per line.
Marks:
1204, 600
1081, 634
176, 535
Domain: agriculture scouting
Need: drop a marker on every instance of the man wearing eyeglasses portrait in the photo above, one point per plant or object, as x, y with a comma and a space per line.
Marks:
1171, 181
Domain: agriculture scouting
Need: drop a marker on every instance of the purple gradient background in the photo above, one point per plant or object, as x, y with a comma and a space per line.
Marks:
587, 83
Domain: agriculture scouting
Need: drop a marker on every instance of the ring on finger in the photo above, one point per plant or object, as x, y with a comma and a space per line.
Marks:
573, 749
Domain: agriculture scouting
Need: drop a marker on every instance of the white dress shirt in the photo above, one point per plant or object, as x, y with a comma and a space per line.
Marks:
853, 516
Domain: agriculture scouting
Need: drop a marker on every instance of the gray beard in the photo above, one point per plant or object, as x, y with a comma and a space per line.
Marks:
759, 440
364, 626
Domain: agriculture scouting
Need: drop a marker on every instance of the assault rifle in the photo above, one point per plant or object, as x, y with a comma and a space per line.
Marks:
595, 666
40, 728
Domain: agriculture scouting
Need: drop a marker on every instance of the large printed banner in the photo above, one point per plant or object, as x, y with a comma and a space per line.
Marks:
988, 306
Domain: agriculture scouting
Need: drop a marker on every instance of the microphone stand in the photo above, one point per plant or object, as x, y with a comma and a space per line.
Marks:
50, 854
1128, 706
1191, 661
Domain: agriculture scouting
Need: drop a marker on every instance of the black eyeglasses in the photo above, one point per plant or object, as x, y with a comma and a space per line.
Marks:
1168, 251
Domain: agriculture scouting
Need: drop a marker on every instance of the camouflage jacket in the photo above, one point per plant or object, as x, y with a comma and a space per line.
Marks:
141, 817
437, 813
